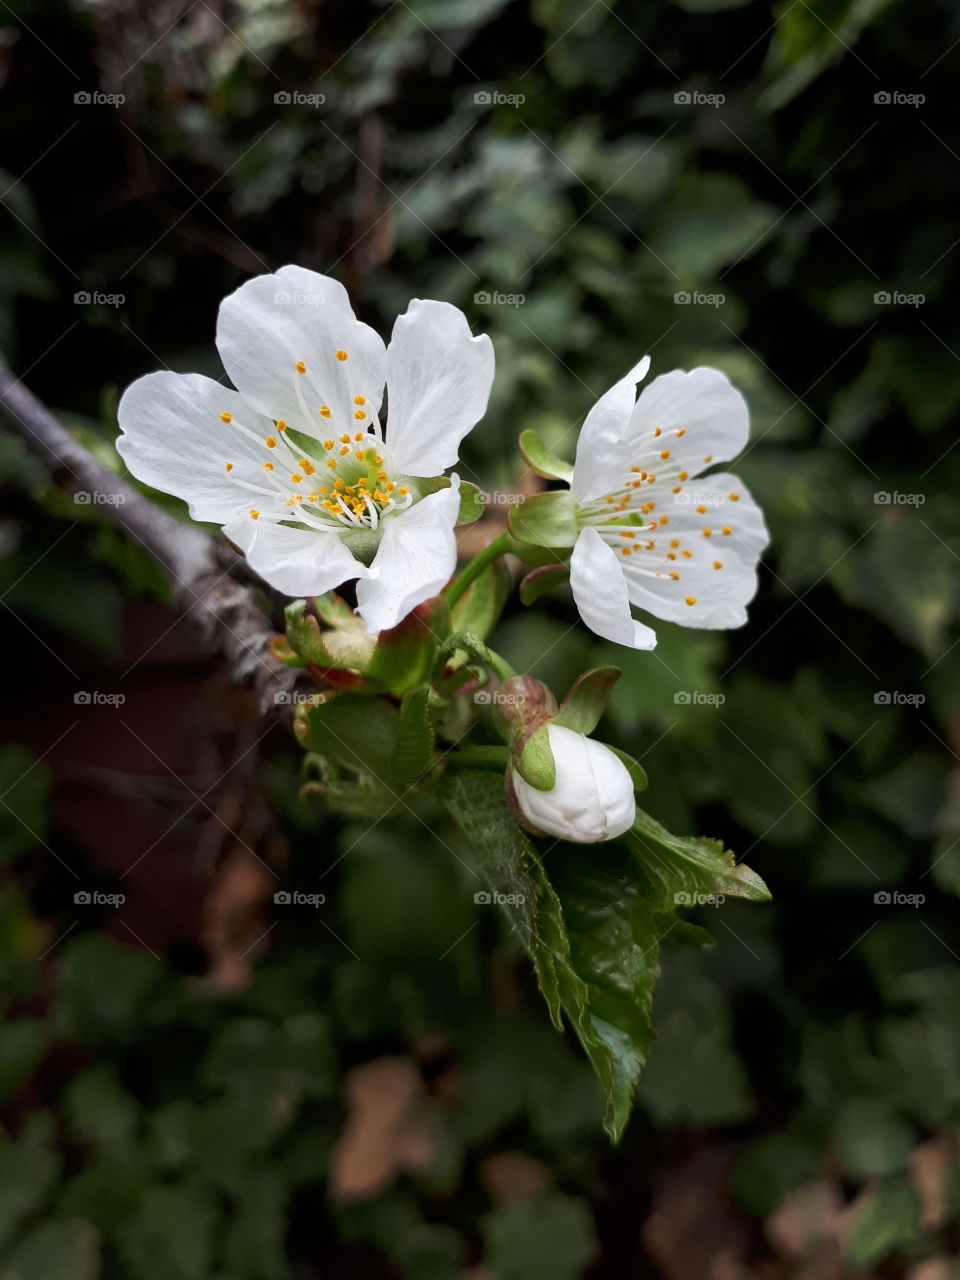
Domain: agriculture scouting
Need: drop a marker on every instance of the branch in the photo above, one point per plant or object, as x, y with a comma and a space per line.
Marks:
203, 575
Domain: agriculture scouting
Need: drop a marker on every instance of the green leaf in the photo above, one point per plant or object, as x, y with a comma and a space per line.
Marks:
404, 655
359, 732
587, 700
344, 645
681, 869
24, 785
471, 502
479, 608
550, 1238
55, 1251
547, 520
539, 458
413, 753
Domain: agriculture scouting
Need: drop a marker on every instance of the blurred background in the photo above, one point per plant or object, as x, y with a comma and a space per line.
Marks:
199, 1084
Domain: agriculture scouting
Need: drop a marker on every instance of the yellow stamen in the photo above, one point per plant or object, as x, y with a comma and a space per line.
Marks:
254, 515
301, 367
341, 355
226, 417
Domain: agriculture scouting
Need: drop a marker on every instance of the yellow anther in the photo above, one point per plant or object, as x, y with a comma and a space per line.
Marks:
254, 515
307, 466
228, 466
708, 533
226, 417
312, 497
701, 511
296, 477
626, 551
690, 600
359, 455
664, 519
657, 432
359, 415
301, 367
681, 431
718, 564
324, 411
341, 355
281, 425
271, 442
361, 435
726, 531
664, 454
332, 464
674, 575
675, 542
404, 491
328, 444
344, 450
682, 475
362, 482
708, 458
344, 439
359, 400
678, 489
268, 466
734, 497
628, 534
671, 555
687, 555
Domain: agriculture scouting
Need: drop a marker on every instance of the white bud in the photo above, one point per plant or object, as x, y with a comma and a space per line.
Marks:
592, 798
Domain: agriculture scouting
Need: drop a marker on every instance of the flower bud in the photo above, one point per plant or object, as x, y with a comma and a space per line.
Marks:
592, 796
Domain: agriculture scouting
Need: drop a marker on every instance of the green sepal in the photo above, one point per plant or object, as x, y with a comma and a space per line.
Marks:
478, 609
547, 520
281, 650
541, 580
344, 646
534, 760
414, 751
540, 459
471, 502
635, 769
404, 656
586, 702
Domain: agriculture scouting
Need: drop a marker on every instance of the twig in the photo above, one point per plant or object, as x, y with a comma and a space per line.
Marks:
203, 576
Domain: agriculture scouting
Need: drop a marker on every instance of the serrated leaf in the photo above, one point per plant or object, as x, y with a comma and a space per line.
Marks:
413, 753
352, 729
681, 868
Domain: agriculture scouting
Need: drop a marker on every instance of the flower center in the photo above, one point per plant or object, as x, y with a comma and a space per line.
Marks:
339, 483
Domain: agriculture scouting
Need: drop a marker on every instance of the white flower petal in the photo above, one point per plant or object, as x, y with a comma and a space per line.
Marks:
707, 553
438, 378
272, 323
415, 560
686, 422
600, 593
592, 798
599, 463
173, 438
298, 562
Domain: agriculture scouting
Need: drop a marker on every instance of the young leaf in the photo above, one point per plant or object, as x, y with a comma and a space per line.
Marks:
539, 458
586, 702
413, 753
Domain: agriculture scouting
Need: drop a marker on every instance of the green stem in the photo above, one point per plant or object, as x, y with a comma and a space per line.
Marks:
470, 572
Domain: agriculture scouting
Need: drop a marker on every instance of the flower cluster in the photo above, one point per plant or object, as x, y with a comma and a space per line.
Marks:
318, 487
